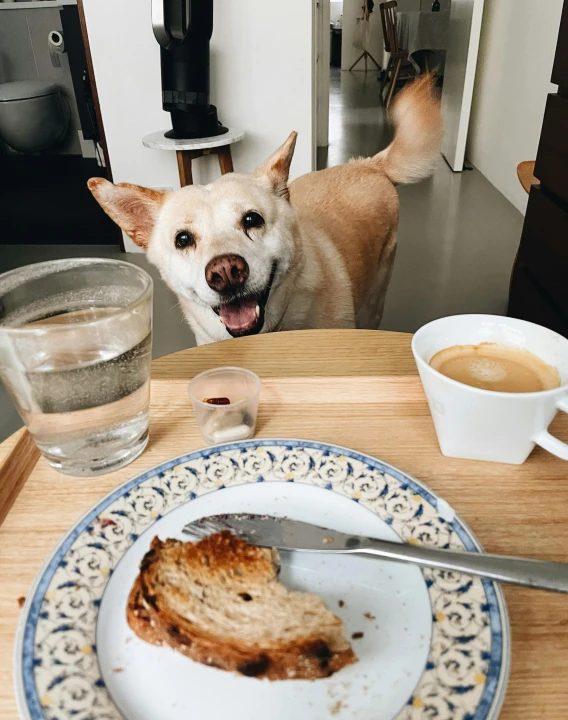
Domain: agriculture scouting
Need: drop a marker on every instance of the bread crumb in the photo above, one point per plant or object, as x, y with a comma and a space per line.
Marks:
21, 601
327, 540
336, 708
357, 635
117, 670
341, 603
369, 616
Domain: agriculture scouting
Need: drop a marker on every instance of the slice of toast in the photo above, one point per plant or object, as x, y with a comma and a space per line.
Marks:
219, 602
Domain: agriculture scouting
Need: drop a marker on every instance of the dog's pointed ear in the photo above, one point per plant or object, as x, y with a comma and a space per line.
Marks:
135, 209
277, 168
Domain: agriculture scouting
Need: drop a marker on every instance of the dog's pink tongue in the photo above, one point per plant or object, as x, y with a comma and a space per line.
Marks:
240, 315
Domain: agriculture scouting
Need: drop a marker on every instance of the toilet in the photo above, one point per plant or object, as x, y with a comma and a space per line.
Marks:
34, 115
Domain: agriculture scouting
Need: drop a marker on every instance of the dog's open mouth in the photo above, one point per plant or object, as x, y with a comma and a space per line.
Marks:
245, 315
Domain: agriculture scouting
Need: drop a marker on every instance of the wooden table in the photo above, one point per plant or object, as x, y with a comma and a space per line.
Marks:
354, 388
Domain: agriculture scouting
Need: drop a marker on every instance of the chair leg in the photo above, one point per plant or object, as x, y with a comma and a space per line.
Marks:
393, 81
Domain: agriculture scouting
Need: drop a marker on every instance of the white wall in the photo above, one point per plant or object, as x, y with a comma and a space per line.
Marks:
349, 53
336, 10
518, 43
261, 81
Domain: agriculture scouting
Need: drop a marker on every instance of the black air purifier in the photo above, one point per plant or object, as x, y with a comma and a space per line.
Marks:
184, 28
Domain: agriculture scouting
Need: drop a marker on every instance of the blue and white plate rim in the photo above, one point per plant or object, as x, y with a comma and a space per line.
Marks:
494, 700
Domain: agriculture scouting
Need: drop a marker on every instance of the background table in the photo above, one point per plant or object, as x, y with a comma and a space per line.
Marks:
422, 30
353, 388
189, 150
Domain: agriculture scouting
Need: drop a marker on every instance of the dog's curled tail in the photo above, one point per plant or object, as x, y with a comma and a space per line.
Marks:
417, 119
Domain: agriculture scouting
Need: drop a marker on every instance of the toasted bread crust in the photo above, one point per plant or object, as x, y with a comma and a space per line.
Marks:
152, 620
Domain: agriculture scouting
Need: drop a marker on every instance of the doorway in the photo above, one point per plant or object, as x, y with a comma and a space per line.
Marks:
452, 223
47, 89
351, 117
356, 70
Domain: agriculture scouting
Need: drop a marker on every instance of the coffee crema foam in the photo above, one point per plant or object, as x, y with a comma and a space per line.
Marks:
491, 366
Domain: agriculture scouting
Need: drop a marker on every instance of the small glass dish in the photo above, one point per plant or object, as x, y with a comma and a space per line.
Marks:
225, 401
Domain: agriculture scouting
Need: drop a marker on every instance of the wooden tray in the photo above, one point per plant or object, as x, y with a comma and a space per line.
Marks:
357, 389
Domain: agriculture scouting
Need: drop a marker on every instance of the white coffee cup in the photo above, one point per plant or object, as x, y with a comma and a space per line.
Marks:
483, 424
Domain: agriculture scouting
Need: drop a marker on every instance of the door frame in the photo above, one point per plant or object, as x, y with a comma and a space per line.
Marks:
459, 79
96, 103
321, 58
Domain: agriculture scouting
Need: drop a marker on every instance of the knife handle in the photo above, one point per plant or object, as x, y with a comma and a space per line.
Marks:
519, 571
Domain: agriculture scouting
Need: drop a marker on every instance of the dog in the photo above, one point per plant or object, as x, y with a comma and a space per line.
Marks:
252, 254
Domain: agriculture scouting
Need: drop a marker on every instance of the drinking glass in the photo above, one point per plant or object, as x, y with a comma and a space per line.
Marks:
75, 355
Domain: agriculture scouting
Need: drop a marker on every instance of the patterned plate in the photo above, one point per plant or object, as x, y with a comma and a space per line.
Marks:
430, 643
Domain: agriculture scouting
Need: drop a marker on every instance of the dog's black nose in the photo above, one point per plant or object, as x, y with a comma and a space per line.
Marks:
226, 273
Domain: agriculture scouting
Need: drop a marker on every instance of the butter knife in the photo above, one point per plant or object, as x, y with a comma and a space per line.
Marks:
285, 534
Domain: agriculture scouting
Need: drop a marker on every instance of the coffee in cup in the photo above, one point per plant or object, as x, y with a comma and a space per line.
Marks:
497, 367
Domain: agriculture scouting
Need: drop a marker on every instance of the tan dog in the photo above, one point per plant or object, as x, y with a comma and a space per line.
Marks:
249, 254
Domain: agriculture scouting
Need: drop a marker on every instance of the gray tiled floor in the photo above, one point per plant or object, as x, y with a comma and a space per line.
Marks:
457, 241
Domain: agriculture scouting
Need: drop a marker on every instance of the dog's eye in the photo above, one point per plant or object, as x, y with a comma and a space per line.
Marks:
252, 220
184, 239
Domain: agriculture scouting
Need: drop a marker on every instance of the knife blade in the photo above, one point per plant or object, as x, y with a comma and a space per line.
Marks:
286, 534
282, 533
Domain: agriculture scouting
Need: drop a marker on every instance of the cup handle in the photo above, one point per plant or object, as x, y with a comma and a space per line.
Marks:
549, 442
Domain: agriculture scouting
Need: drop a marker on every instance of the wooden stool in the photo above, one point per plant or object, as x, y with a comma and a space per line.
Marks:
189, 150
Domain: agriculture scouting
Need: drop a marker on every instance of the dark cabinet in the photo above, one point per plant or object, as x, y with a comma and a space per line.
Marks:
336, 36
539, 284
552, 159
560, 68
